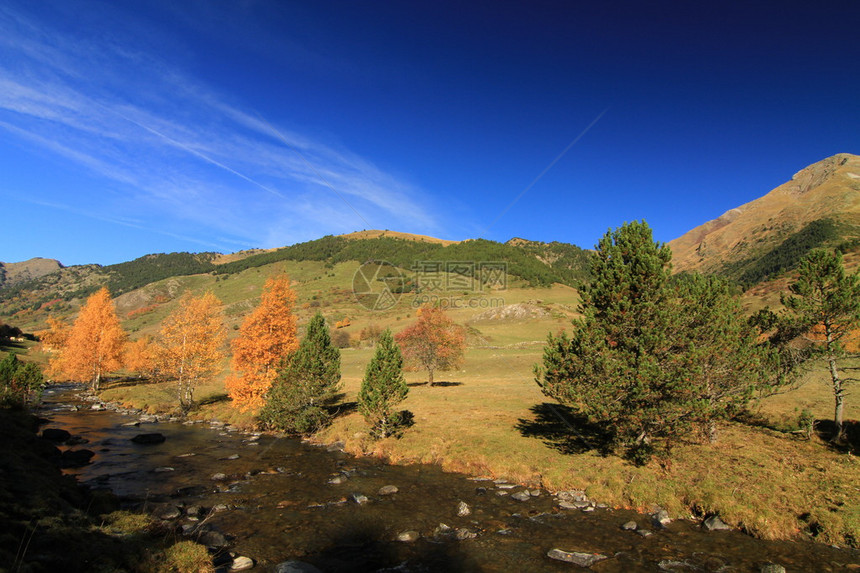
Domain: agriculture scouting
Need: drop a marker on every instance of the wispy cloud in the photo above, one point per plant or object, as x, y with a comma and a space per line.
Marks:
174, 149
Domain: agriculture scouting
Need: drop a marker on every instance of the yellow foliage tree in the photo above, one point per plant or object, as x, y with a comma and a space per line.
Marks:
139, 356
266, 337
54, 338
94, 344
189, 349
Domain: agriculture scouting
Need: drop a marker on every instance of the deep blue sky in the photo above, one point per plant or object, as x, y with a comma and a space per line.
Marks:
133, 127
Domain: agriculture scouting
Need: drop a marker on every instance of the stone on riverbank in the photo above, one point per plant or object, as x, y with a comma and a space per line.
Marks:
388, 490
241, 563
463, 509
576, 557
714, 523
408, 536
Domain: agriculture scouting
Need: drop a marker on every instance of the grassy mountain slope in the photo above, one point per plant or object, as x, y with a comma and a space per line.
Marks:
819, 206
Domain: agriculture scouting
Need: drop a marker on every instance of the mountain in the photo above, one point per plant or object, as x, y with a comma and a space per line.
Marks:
15, 273
819, 206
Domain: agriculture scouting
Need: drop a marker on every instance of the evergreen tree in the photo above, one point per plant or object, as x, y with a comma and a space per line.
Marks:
20, 382
652, 358
383, 387
826, 307
307, 380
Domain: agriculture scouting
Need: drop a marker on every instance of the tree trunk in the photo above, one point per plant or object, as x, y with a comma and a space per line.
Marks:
430, 378
838, 391
839, 397
712, 431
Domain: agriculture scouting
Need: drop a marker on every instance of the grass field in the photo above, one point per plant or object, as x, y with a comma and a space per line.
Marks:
491, 419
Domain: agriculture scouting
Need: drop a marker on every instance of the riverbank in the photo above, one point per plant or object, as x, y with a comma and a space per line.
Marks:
492, 422
50, 523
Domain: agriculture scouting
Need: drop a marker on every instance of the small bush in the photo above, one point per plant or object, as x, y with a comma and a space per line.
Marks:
186, 557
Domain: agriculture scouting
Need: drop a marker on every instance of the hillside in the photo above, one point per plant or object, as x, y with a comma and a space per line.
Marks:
819, 206
16, 273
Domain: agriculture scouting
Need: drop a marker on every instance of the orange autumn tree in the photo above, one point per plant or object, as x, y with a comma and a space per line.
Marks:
433, 343
54, 338
139, 356
189, 348
94, 344
266, 337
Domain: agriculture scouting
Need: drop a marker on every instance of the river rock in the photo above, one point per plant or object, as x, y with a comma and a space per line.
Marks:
214, 539
167, 512
56, 434
629, 526
76, 458
661, 519
714, 523
408, 536
506, 485
164, 469
388, 490
534, 493
464, 533
576, 557
241, 563
338, 479
295, 567
772, 568
149, 439
574, 504
521, 495
463, 509
219, 476
571, 495
360, 499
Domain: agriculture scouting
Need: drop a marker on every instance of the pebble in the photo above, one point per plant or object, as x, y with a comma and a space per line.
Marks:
388, 490
408, 536
163, 469
360, 499
576, 557
463, 509
630, 526
241, 563
219, 476
521, 496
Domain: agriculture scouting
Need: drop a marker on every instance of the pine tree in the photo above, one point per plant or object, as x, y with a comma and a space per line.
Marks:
190, 345
307, 381
827, 300
652, 358
266, 338
94, 344
433, 343
383, 388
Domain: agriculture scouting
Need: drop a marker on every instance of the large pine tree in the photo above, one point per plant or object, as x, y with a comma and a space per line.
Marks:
383, 387
652, 358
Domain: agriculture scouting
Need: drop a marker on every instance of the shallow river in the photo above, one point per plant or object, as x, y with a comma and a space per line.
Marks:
275, 503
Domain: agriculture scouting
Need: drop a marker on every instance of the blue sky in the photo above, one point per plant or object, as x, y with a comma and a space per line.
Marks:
128, 128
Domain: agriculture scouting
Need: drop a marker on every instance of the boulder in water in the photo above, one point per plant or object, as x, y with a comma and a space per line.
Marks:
55, 434
76, 458
149, 439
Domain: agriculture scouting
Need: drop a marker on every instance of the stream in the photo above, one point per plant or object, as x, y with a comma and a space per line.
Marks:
277, 499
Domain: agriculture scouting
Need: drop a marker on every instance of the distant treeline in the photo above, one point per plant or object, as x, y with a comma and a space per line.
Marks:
567, 264
125, 277
788, 254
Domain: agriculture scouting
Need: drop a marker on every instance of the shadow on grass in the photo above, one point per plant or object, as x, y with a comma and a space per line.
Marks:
123, 382
214, 399
13, 346
440, 384
337, 407
825, 430
565, 431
